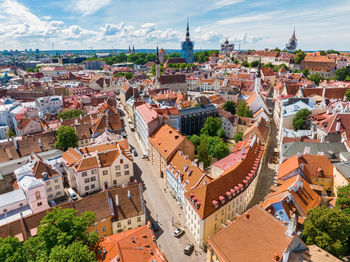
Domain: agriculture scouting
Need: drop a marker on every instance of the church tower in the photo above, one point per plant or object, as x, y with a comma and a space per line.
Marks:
187, 46
157, 65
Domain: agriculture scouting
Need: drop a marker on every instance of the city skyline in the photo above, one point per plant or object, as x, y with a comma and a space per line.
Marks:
106, 24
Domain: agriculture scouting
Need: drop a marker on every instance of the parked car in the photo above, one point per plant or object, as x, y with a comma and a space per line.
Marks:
155, 226
145, 156
52, 203
178, 232
189, 249
72, 194
135, 152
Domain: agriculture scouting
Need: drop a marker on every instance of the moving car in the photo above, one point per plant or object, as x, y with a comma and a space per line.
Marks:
178, 232
188, 249
72, 194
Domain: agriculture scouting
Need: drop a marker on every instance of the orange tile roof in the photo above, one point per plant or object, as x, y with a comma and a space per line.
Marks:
251, 98
254, 236
260, 128
166, 140
136, 244
190, 174
227, 182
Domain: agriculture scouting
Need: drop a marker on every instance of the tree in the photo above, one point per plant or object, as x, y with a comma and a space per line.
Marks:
10, 133
343, 201
154, 69
244, 110
347, 95
203, 155
230, 106
254, 64
305, 72
238, 137
68, 114
276, 49
268, 65
329, 229
195, 140
300, 119
279, 67
245, 63
30, 70
77, 251
332, 51
66, 138
341, 73
322, 52
11, 250
211, 126
316, 78
221, 133
300, 55
128, 75
221, 150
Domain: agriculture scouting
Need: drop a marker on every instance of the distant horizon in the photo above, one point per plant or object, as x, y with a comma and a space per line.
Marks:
97, 24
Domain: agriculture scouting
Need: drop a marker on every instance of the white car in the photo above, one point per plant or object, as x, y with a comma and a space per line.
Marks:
178, 232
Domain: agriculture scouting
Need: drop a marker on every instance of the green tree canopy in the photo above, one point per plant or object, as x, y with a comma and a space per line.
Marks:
305, 72
195, 140
329, 229
316, 78
245, 63
68, 114
342, 73
203, 155
238, 137
254, 64
300, 55
128, 75
347, 95
244, 110
230, 106
30, 70
300, 120
332, 51
221, 150
322, 52
154, 69
343, 201
10, 133
11, 250
66, 138
211, 126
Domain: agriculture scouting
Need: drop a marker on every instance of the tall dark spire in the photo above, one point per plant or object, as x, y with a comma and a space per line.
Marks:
157, 57
188, 31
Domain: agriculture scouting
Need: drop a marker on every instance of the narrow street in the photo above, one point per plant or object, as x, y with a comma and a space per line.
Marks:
162, 208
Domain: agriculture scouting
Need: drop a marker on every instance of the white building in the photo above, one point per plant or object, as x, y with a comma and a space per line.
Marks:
49, 104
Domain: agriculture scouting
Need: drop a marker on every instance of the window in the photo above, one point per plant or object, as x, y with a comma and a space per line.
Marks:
93, 178
129, 222
126, 172
37, 195
57, 187
121, 161
92, 186
58, 193
118, 174
40, 204
126, 166
86, 180
104, 229
105, 172
119, 224
5, 210
138, 219
49, 189
50, 196
86, 188
93, 171
84, 173
114, 182
117, 168
21, 204
56, 180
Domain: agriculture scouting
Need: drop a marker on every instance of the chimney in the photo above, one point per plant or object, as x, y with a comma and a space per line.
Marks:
116, 200
337, 128
129, 194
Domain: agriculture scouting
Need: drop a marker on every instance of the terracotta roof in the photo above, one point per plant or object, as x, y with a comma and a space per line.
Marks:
147, 112
260, 128
7, 151
190, 174
323, 59
254, 236
313, 165
166, 140
251, 98
172, 79
28, 145
330, 92
320, 255
23, 123
100, 124
268, 71
230, 179
304, 198
136, 244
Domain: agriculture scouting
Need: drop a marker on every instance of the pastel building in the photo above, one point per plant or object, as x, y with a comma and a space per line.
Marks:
49, 104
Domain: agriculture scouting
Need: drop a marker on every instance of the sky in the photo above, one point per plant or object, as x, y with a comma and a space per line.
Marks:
107, 24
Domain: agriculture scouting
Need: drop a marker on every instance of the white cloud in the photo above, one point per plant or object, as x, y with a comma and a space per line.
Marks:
88, 7
46, 17
224, 3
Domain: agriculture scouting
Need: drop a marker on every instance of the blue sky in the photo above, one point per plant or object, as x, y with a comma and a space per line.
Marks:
84, 24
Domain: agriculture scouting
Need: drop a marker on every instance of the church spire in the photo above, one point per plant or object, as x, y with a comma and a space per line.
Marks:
188, 31
157, 56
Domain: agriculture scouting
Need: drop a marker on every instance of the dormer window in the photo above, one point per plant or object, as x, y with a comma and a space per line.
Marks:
222, 199
215, 204
37, 195
229, 195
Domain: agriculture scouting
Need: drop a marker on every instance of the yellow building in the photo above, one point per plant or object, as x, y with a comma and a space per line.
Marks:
211, 205
341, 175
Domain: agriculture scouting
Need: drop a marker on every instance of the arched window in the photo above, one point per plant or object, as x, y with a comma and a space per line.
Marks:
37, 195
